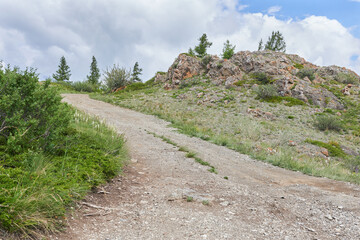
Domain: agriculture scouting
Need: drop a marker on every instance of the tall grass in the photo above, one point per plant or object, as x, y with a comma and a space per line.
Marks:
37, 187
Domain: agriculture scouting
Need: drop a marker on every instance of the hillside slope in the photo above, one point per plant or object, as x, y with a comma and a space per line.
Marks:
272, 106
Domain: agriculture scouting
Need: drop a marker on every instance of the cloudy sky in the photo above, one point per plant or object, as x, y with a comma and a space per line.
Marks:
37, 33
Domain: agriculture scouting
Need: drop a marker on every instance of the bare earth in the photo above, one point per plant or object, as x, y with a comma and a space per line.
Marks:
152, 200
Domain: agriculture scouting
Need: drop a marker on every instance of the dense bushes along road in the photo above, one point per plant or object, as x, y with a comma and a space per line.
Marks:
50, 155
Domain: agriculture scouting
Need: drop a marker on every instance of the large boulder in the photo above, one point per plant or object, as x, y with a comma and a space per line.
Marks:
184, 67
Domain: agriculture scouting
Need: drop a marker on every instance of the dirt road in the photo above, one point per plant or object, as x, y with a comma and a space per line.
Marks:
164, 195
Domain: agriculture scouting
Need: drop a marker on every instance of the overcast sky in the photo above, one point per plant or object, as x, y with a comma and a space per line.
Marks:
37, 33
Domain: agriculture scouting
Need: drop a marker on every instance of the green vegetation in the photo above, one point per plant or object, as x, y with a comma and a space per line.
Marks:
205, 202
189, 154
50, 155
31, 114
201, 113
116, 77
136, 72
228, 50
275, 42
94, 76
84, 87
328, 122
201, 49
266, 92
63, 72
288, 101
298, 66
347, 78
333, 147
189, 199
306, 72
261, 77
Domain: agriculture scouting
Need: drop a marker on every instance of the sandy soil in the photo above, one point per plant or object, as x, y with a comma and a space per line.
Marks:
164, 195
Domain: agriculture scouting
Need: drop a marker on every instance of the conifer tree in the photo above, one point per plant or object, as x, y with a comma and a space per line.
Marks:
260, 47
63, 73
276, 42
94, 72
228, 50
136, 72
203, 46
191, 52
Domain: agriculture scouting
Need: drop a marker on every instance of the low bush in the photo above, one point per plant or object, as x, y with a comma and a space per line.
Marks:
328, 122
306, 72
49, 157
298, 66
261, 77
205, 60
266, 91
347, 78
85, 86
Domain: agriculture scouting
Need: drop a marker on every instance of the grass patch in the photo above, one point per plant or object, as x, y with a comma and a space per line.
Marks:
287, 101
189, 154
328, 122
306, 72
333, 147
37, 187
266, 92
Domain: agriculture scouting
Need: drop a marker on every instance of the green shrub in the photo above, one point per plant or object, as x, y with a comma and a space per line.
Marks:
261, 77
298, 66
347, 78
266, 91
85, 86
37, 187
31, 114
328, 122
306, 72
206, 60
116, 77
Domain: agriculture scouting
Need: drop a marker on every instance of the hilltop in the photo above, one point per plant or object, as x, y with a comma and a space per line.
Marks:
292, 75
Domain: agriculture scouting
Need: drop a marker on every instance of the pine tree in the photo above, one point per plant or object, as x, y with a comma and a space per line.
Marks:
276, 42
203, 46
94, 72
63, 73
136, 72
260, 47
228, 50
191, 52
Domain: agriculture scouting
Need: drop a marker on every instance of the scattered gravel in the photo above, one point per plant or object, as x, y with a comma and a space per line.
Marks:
257, 201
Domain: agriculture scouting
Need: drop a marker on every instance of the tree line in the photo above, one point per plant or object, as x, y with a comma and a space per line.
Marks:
275, 42
114, 77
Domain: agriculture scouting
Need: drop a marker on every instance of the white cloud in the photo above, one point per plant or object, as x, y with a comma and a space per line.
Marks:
273, 9
154, 33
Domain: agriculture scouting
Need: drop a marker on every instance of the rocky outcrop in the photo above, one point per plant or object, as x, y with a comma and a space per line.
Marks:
282, 68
